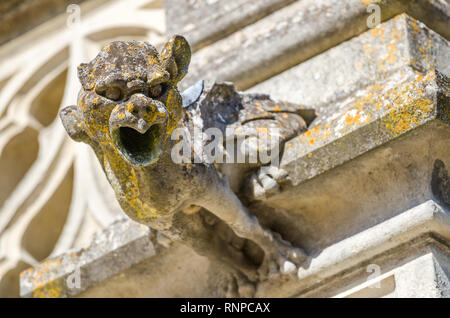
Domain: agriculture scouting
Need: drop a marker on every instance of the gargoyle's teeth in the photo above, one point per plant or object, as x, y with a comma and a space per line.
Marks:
139, 148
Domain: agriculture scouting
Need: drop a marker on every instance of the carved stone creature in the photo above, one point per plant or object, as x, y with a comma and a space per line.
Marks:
127, 109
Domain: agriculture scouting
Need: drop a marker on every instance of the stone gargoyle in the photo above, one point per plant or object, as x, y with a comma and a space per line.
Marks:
128, 108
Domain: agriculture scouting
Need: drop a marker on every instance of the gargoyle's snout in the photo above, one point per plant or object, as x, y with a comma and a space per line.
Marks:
137, 129
139, 112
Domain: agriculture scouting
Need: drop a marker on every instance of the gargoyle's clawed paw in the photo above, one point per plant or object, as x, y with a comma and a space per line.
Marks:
265, 182
284, 259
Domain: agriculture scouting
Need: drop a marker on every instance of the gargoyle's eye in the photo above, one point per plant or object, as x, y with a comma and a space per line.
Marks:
155, 91
113, 93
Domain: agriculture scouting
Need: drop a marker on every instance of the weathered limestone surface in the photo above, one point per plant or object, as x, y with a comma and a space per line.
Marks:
295, 33
426, 277
368, 59
406, 111
161, 276
367, 183
206, 21
394, 133
123, 244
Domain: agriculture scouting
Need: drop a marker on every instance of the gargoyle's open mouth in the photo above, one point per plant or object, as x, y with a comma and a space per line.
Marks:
139, 149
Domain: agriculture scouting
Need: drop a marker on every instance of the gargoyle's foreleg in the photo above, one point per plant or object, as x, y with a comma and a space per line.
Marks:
279, 254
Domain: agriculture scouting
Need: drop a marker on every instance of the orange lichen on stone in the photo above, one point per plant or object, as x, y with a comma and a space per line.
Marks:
130, 107
415, 26
356, 119
368, 49
392, 58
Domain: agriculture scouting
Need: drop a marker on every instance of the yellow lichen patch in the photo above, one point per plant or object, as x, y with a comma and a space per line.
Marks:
308, 133
81, 105
400, 120
262, 130
392, 58
415, 26
316, 130
152, 60
173, 105
277, 108
50, 290
368, 49
356, 119
408, 107
130, 107
128, 184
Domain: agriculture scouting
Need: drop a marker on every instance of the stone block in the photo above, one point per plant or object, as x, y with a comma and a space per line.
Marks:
121, 245
294, 34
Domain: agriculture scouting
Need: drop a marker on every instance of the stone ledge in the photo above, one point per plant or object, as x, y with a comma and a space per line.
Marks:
413, 269
294, 34
364, 168
371, 118
203, 22
402, 230
120, 246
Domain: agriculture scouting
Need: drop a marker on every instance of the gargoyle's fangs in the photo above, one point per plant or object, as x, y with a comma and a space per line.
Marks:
140, 149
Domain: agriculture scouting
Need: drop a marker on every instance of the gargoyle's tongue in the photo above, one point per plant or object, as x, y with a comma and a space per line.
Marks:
139, 149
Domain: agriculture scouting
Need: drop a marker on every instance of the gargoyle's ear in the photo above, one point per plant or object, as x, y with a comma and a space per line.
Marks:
176, 56
72, 123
